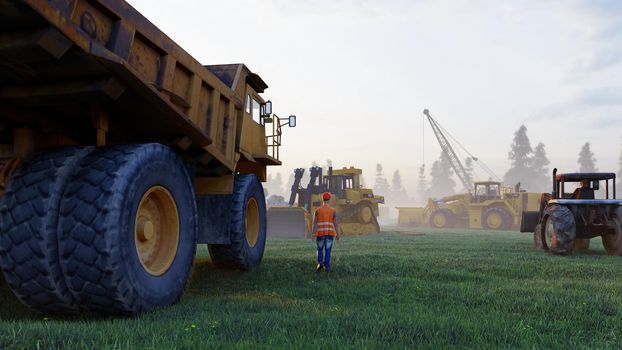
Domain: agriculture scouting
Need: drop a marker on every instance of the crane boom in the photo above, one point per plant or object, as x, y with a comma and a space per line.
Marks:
456, 164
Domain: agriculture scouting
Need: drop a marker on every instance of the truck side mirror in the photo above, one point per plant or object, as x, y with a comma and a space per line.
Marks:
595, 185
265, 110
292, 121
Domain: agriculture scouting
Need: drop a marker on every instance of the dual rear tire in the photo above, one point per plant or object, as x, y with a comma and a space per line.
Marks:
247, 227
111, 230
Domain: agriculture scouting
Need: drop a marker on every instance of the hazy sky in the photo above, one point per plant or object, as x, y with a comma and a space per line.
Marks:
359, 73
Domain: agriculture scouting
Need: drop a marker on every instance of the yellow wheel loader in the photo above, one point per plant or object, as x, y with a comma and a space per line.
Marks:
357, 207
491, 206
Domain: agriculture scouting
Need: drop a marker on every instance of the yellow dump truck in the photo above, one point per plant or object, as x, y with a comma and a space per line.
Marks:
121, 153
356, 207
490, 206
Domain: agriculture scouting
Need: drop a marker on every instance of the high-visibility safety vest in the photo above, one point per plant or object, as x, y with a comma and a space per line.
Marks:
325, 220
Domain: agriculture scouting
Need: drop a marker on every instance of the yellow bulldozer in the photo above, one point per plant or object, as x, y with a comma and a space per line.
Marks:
356, 207
491, 206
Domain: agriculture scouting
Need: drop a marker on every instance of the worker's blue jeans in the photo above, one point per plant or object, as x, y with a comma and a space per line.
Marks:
324, 246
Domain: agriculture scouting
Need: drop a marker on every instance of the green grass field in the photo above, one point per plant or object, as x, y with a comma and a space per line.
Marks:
462, 289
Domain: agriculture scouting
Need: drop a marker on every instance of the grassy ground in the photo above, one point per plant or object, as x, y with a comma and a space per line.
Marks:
443, 289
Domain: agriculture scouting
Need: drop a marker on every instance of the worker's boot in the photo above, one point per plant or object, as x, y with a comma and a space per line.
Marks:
319, 268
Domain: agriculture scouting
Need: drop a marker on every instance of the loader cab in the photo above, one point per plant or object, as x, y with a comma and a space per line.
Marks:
486, 190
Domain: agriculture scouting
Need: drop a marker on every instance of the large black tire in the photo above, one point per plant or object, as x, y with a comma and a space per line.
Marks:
613, 242
28, 230
242, 254
98, 229
442, 218
559, 230
496, 218
537, 237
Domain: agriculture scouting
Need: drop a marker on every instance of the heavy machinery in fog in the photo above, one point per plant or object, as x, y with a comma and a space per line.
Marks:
121, 153
487, 204
490, 206
356, 207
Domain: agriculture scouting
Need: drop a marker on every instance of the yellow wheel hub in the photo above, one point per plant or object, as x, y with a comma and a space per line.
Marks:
156, 230
494, 220
366, 214
440, 220
252, 222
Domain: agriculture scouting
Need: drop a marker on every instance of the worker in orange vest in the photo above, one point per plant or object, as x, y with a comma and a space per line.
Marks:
325, 229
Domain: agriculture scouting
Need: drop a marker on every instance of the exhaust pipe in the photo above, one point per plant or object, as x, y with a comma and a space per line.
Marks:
554, 191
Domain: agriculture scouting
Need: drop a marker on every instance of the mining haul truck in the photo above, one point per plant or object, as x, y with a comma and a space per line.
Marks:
120, 153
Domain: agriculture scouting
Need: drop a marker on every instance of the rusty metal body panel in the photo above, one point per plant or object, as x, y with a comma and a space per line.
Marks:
63, 63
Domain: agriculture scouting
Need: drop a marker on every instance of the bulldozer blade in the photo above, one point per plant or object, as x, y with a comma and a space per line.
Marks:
410, 217
349, 228
288, 222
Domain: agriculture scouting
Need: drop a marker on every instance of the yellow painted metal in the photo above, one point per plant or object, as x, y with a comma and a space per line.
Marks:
410, 216
252, 222
439, 220
468, 209
156, 230
366, 215
289, 222
356, 208
494, 220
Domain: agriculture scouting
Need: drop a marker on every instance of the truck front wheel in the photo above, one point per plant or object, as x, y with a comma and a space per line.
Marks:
247, 228
127, 227
442, 218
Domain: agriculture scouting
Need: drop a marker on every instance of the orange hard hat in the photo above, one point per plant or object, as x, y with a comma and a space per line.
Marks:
326, 196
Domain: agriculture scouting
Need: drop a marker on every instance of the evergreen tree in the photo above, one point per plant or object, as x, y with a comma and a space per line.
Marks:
441, 183
398, 192
274, 184
266, 187
422, 184
278, 184
468, 168
329, 163
521, 162
540, 168
587, 162
381, 186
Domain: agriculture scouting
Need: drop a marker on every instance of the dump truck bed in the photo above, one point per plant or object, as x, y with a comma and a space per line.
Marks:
64, 62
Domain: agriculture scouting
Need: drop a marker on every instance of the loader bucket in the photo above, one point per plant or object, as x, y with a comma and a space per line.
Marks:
410, 217
288, 222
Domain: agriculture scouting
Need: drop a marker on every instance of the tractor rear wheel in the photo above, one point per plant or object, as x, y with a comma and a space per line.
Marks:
127, 229
247, 227
496, 218
613, 242
28, 230
559, 230
442, 218
537, 237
